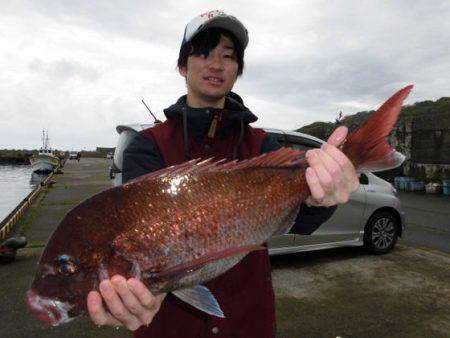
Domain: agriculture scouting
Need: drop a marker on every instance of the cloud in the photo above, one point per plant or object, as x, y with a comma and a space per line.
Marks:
81, 68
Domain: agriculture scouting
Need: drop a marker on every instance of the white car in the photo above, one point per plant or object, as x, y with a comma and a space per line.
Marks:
73, 155
373, 216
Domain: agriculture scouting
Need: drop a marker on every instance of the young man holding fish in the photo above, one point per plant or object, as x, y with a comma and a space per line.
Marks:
211, 121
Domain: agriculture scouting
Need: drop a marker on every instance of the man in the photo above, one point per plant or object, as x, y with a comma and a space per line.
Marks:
211, 121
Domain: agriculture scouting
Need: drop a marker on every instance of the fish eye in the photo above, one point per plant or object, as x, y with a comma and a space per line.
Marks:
63, 258
65, 265
67, 269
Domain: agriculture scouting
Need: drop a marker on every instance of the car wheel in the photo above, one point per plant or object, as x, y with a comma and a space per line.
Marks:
381, 232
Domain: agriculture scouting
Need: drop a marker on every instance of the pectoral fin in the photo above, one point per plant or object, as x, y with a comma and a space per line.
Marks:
201, 298
187, 268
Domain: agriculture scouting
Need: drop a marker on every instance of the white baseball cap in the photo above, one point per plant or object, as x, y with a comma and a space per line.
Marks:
217, 19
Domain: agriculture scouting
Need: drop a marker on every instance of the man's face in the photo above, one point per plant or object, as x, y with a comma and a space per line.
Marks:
210, 78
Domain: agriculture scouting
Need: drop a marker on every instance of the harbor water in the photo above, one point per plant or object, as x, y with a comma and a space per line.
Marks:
16, 182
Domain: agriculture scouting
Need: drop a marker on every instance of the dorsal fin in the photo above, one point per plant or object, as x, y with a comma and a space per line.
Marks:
164, 172
283, 157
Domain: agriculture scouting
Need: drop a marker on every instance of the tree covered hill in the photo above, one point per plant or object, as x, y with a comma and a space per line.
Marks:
324, 129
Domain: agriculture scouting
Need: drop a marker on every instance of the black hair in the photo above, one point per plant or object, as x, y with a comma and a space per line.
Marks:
204, 42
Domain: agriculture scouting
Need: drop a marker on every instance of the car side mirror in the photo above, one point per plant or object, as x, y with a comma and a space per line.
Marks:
363, 179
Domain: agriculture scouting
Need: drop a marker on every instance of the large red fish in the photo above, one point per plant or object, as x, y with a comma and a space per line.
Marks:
181, 226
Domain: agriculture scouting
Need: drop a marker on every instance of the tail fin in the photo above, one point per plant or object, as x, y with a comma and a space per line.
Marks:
367, 147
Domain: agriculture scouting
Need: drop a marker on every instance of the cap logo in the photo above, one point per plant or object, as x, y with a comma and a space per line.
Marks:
212, 14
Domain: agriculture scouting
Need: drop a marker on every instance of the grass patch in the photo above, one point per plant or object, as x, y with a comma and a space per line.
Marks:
33, 212
62, 203
37, 245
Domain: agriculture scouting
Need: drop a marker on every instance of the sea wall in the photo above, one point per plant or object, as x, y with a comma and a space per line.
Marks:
15, 156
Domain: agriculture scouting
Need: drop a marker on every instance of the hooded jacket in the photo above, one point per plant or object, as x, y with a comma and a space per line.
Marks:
244, 292
142, 155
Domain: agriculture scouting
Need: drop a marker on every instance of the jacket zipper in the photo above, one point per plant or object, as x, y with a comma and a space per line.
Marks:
213, 126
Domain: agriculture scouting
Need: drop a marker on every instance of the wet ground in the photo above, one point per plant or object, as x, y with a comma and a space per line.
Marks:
341, 292
348, 293
79, 181
427, 220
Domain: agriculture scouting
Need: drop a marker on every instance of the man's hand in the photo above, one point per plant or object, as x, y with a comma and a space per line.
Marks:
331, 176
129, 302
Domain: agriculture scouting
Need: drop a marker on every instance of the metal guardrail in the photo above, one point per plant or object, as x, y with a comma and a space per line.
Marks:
14, 216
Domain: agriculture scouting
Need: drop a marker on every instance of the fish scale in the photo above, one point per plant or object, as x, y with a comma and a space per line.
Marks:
262, 228
197, 232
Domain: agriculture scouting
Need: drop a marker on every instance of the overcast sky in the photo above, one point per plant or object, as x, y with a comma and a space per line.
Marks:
79, 68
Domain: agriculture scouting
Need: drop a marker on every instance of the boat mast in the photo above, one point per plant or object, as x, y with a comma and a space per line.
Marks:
46, 141
43, 139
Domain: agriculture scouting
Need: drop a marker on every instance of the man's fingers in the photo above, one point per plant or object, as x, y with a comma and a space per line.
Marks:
129, 303
97, 312
331, 165
148, 301
95, 308
132, 304
316, 163
142, 293
337, 155
338, 136
317, 192
348, 170
116, 306
331, 176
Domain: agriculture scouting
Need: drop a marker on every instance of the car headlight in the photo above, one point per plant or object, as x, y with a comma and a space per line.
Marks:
393, 190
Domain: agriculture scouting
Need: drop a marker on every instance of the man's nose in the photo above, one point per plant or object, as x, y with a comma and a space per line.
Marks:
215, 62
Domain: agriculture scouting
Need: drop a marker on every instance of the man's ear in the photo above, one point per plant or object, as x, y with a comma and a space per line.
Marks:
182, 71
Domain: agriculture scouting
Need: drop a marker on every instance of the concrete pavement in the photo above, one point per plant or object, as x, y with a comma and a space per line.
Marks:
343, 292
427, 220
349, 293
79, 181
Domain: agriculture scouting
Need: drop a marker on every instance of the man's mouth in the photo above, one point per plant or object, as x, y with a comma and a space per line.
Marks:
214, 79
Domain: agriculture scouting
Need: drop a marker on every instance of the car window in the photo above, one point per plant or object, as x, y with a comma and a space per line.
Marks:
281, 139
363, 179
300, 147
125, 138
301, 144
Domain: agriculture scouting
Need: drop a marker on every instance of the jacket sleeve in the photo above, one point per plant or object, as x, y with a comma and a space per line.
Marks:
140, 157
308, 218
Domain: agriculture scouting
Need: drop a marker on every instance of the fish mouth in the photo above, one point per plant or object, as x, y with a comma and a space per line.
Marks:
51, 311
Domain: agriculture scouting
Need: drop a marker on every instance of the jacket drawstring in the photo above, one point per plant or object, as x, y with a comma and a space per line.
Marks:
187, 146
239, 141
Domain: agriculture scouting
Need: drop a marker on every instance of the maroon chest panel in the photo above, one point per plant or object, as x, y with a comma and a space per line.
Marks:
168, 136
245, 292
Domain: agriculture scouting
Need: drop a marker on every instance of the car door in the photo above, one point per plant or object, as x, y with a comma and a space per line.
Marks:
346, 221
284, 240
344, 225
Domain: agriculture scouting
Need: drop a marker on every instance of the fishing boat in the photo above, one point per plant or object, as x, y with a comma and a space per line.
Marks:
45, 161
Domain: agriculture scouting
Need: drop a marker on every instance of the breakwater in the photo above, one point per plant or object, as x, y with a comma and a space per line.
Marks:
21, 186
15, 157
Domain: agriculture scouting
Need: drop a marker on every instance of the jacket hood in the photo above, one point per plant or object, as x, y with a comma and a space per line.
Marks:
234, 106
